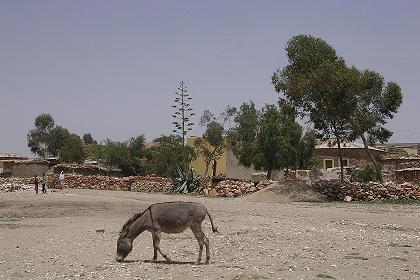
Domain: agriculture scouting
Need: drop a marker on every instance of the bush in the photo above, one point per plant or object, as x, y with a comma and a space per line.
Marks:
365, 175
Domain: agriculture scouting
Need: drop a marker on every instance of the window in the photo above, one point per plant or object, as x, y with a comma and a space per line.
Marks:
328, 163
345, 162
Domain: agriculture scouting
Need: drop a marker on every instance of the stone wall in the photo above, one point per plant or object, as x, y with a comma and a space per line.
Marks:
335, 190
24, 168
132, 183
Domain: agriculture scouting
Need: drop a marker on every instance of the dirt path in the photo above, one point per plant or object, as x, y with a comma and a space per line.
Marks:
54, 236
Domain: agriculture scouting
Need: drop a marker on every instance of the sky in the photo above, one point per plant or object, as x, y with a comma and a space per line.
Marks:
111, 68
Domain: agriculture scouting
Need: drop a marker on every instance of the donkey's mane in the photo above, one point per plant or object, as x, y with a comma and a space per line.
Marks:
124, 229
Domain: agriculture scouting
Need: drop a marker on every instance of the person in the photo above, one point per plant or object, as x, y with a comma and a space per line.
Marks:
36, 183
61, 179
43, 183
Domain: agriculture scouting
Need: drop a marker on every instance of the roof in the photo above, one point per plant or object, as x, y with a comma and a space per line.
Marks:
332, 144
11, 155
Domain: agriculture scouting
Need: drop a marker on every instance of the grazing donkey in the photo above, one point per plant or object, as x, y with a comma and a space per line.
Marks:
168, 217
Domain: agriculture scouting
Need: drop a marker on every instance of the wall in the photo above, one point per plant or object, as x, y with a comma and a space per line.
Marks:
24, 169
235, 170
199, 164
357, 157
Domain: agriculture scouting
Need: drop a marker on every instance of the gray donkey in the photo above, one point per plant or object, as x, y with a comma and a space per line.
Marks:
168, 217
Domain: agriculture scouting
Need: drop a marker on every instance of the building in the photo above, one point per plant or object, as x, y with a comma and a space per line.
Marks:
24, 168
353, 154
227, 166
9, 156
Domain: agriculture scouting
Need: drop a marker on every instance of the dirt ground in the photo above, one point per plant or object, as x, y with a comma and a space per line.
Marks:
54, 236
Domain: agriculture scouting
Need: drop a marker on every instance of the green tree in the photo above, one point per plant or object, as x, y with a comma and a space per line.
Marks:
166, 156
136, 162
319, 85
377, 102
111, 153
57, 138
88, 139
268, 139
73, 149
212, 144
47, 139
38, 138
182, 118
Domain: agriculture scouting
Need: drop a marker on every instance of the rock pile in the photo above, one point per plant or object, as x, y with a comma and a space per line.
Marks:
234, 188
131, 183
15, 184
335, 190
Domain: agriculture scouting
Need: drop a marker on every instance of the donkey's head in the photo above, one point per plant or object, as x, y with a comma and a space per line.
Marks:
124, 247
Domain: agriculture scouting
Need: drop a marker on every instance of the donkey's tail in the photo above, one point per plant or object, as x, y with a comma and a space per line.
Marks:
211, 221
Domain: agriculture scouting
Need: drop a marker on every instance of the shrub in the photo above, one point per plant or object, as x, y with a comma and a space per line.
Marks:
365, 175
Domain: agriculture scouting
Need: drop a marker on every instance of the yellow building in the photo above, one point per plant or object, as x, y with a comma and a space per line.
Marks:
199, 164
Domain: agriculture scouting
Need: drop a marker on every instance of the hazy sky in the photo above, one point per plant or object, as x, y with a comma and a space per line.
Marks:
111, 67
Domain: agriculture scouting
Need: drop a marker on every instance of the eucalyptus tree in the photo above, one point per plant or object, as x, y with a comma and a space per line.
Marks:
319, 85
377, 102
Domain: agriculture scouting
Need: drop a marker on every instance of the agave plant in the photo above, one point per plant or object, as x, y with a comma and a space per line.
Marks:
186, 181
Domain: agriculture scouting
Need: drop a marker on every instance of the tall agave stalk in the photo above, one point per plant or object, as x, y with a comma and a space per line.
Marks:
182, 117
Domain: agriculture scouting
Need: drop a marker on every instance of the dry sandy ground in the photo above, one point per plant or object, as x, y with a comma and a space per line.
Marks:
54, 236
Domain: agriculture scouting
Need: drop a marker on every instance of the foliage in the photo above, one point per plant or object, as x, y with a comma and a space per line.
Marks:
130, 156
377, 102
73, 149
110, 153
367, 174
168, 155
186, 182
269, 139
88, 139
319, 85
136, 162
38, 138
212, 144
47, 139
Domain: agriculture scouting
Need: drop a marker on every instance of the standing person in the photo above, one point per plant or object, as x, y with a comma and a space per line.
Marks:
43, 183
61, 179
36, 183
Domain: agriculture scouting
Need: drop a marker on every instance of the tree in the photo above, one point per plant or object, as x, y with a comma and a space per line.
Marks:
268, 139
47, 139
135, 163
57, 138
38, 138
165, 157
182, 115
212, 144
111, 153
73, 149
319, 85
88, 139
377, 102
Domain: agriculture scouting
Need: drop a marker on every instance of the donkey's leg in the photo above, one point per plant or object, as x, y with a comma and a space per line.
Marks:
154, 248
156, 242
201, 238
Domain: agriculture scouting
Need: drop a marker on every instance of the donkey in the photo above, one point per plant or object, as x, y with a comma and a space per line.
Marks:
168, 217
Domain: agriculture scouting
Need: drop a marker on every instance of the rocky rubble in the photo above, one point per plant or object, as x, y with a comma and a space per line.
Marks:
15, 184
234, 188
131, 183
335, 190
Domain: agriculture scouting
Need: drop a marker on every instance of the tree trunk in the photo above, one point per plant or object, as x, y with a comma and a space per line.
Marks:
207, 168
269, 173
341, 159
375, 163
